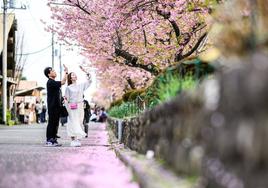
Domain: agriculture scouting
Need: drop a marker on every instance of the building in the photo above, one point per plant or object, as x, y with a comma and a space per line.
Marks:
28, 91
11, 59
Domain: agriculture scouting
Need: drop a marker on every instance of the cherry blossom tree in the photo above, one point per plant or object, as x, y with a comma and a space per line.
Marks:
131, 41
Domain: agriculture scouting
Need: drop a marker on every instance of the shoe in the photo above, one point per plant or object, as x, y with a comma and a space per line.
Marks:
49, 144
75, 143
78, 143
52, 143
57, 136
56, 144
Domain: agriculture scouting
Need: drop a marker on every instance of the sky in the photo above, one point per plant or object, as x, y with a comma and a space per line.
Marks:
37, 43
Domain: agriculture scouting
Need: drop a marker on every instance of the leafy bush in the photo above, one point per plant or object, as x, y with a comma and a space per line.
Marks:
117, 102
124, 110
172, 86
9, 121
132, 95
136, 93
126, 96
8, 116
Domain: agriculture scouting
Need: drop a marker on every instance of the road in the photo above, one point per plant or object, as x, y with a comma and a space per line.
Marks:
25, 162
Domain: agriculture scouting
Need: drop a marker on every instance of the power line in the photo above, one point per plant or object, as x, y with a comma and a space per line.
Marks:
31, 53
35, 22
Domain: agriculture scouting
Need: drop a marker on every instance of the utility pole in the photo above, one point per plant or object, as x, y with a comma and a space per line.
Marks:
4, 58
52, 49
60, 62
4, 64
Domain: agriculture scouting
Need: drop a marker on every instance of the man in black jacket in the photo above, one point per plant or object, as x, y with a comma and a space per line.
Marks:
53, 104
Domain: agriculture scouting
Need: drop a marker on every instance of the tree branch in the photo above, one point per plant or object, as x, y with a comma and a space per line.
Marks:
166, 15
119, 43
176, 28
131, 60
145, 38
131, 83
80, 7
179, 55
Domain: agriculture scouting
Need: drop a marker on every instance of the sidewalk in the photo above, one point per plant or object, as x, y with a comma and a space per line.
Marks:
26, 163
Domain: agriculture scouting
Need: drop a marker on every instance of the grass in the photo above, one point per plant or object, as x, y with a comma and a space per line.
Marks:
125, 109
172, 86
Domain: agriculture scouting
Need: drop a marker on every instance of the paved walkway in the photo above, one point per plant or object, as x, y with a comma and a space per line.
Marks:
26, 163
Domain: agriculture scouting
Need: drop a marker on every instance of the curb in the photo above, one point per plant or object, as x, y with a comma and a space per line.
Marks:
149, 173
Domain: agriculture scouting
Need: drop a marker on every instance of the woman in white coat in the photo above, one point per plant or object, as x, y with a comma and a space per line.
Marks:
74, 104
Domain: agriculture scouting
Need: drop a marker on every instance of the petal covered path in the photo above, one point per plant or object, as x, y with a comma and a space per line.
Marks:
26, 162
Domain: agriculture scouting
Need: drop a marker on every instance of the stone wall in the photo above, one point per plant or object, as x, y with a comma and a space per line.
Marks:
218, 131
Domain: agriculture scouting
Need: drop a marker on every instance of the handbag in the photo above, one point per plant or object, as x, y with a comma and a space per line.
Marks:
63, 111
73, 106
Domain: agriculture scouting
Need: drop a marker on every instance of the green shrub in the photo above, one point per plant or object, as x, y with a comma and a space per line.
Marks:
136, 93
11, 122
150, 97
8, 114
126, 96
123, 110
116, 103
167, 85
172, 86
132, 94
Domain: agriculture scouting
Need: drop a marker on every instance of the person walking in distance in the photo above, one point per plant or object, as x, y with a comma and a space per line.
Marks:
86, 116
22, 111
75, 107
44, 111
53, 104
64, 113
38, 111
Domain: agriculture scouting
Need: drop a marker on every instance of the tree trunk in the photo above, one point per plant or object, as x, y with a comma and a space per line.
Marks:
131, 60
127, 56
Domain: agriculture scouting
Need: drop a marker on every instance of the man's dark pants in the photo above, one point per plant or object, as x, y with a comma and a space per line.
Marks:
22, 118
53, 124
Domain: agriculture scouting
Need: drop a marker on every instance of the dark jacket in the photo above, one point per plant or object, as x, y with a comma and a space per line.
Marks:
86, 111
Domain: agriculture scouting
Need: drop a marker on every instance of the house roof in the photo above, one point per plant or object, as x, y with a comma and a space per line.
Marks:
26, 87
28, 91
10, 20
25, 84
